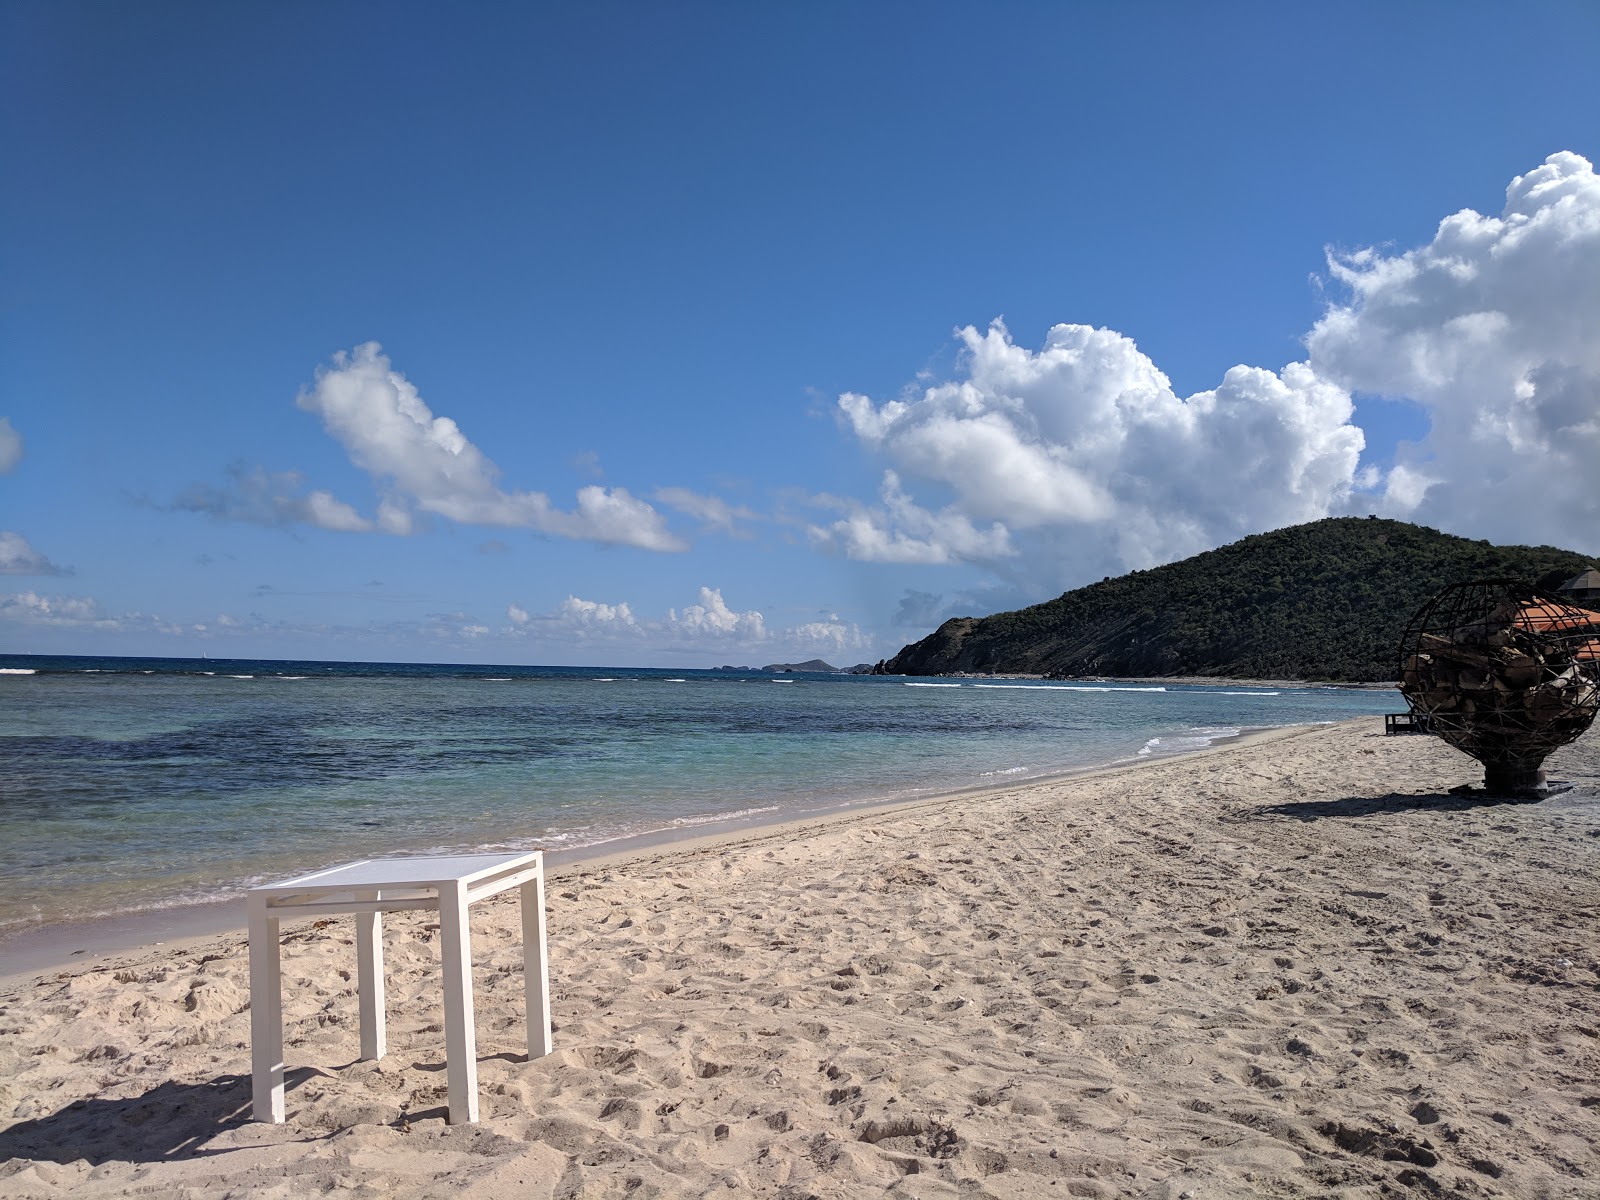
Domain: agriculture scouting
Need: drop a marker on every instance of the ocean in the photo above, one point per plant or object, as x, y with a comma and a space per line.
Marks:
138, 784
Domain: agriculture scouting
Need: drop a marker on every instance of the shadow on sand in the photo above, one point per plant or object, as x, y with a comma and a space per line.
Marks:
1372, 806
169, 1123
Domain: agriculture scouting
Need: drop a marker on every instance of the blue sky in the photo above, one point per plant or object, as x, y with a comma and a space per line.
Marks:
689, 283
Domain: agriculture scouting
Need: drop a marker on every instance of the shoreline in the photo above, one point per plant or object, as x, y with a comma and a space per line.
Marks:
33, 951
1201, 681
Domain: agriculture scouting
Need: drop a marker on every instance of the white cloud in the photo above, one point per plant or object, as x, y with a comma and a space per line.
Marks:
901, 531
321, 509
712, 511
711, 624
593, 615
426, 461
817, 639
1049, 466
17, 557
264, 497
713, 618
10, 447
31, 608
76, 612
395, 519
1083, 451
1491, 328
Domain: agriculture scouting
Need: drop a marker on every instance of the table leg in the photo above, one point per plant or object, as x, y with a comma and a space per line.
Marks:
369, 957
536, 966
266, 1014
460, 1039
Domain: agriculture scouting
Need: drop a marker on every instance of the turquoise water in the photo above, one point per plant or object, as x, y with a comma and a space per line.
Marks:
140, 783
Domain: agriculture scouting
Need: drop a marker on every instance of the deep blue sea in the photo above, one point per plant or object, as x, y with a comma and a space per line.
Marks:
130, 784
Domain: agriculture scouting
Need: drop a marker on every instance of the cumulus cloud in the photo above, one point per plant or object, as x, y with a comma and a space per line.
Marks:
898, 530
1491, 329
1081, 451
10, 447
817, 639
425, 462
594, 615
263, 497
713, 618
1051, 465
17, 557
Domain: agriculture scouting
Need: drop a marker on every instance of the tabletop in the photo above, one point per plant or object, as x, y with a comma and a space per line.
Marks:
429, 870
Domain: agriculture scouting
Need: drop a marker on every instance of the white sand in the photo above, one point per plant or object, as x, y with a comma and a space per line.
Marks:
1145, 982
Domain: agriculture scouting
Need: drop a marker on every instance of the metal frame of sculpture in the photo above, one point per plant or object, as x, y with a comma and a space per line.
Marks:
1504, 672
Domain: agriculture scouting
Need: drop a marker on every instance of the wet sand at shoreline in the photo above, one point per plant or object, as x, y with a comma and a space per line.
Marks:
1291, 966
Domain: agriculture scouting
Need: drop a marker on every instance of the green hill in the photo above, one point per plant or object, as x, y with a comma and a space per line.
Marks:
1328, 600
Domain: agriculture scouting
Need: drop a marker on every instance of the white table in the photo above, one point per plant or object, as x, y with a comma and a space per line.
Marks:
447, 883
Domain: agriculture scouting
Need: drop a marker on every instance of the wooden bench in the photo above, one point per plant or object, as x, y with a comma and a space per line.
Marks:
1405, 722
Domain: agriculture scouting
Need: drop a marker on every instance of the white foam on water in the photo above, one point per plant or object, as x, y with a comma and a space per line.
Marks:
241, 676
1195, 739
587, 837
674, 681
572, 835
488, 679
187, 898
712, 818
1004, 771
934, 685
278, 677
605, 679
1249, 693
17, 671
783, 681
1062, 687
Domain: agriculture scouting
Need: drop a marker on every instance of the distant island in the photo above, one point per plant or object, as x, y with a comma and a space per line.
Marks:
1326, 601
814, 665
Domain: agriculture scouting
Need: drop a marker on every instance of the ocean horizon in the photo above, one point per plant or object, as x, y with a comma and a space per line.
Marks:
136, 784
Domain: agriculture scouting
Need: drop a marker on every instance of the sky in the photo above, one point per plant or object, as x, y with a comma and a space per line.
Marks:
701, 334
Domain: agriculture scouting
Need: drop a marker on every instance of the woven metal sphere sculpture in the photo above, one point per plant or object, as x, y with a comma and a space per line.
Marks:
1504, 672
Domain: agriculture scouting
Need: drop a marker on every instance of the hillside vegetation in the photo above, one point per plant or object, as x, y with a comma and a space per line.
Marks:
1328, 600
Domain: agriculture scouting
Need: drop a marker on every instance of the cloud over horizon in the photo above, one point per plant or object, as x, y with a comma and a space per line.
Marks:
711, 623
1050, 466
1492, 329
78, 612
18, 557
1082, 452
421, 462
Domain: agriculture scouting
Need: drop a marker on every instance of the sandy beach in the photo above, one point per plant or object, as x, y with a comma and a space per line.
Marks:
1287, 966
